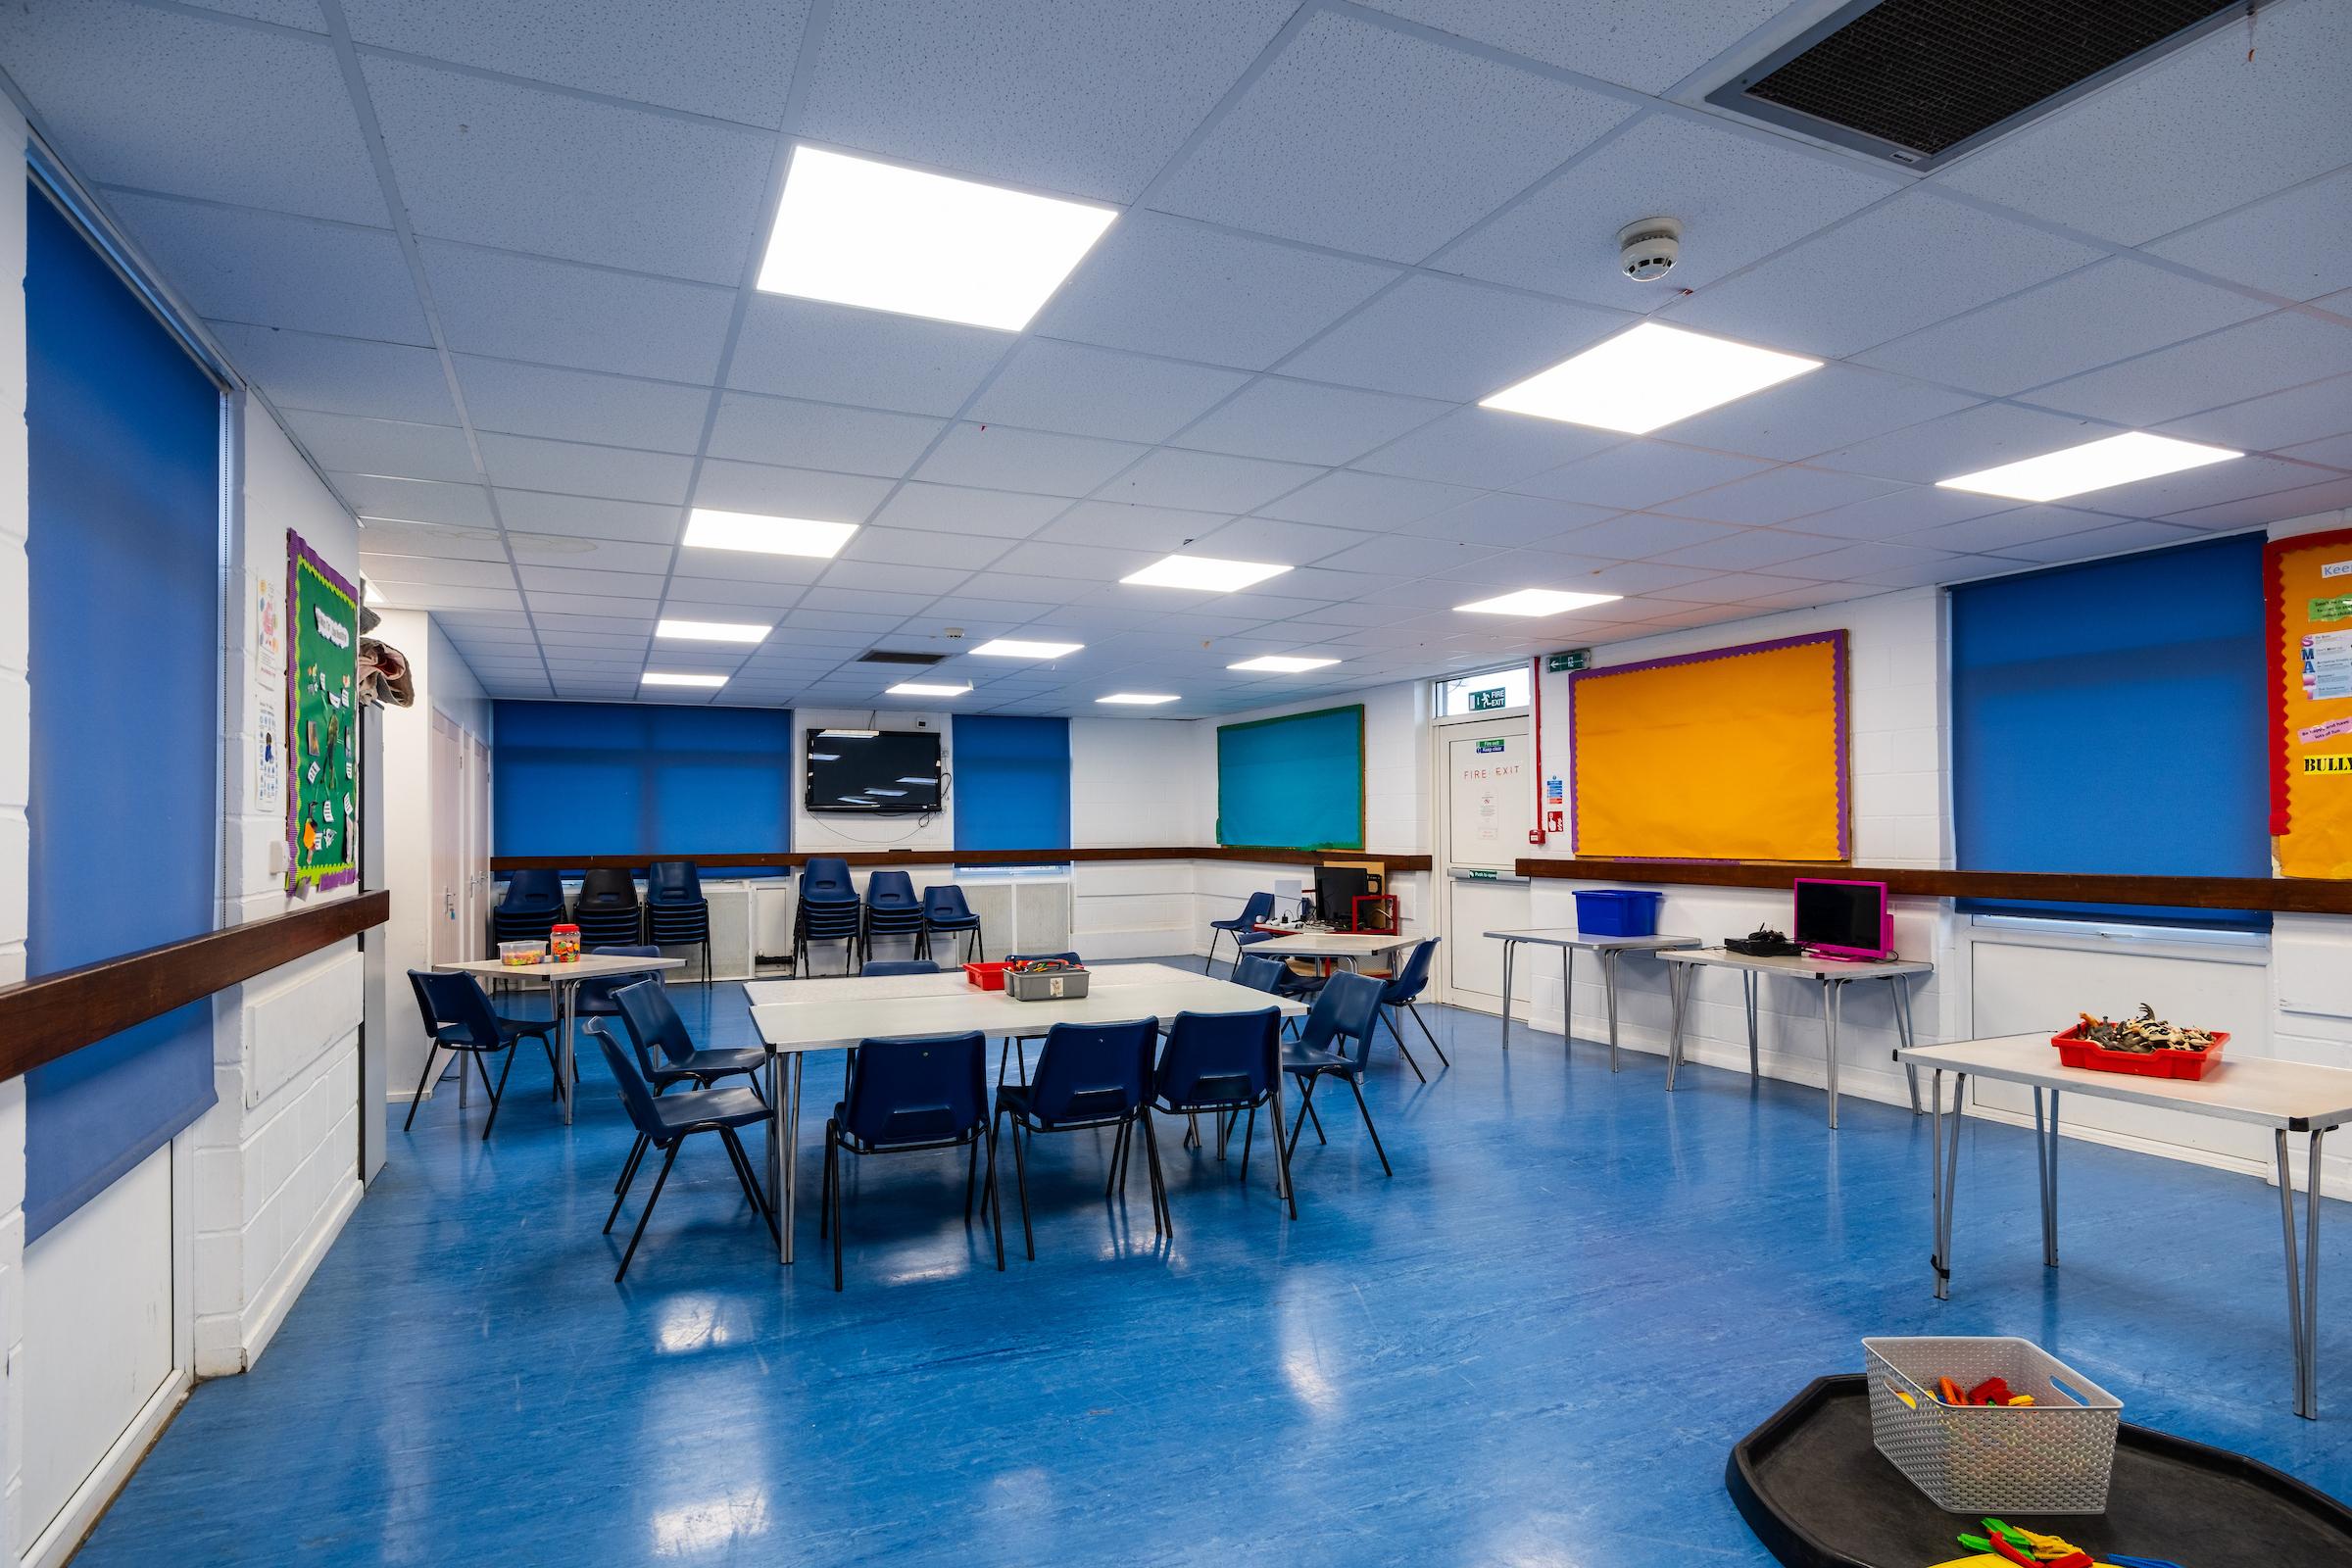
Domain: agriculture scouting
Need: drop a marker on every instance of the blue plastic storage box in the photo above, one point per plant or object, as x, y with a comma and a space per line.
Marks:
1618, 912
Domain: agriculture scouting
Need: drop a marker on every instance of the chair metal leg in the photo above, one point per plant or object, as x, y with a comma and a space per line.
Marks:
1389, 1016
1307, 1105
995, 1201
833, 1166
1366, 1112
668, 1159
1249, 1136
498, 1094
971, 1182
1161, 1220
1118, 1148
1020, 1182
1282, 1158
751, 1183
1316, 1116
628, 1174
432, 1051
824, 1192
1432, 1039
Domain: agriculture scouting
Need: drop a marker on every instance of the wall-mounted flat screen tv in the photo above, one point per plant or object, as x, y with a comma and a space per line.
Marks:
873, 772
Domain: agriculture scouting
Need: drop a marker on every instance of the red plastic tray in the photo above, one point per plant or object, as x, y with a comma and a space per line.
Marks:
2075, 1051
987, 976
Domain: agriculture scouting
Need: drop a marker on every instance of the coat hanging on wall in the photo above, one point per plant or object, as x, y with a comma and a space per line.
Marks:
383, 668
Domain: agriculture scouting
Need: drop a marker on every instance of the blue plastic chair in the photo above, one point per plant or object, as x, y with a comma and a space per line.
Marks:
458, 1017
1409, 981
676, 914
1241, 927
944, 911
665, 1053
666, 1122
1337, 1043
606, 911
874, 967
1220, 1063
593, 999
907, 1096
1275, 978
828, 911
533, 905
1088, 1075
893, 910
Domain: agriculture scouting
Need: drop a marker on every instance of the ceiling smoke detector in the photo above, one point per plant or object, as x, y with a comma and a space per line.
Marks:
1646, 250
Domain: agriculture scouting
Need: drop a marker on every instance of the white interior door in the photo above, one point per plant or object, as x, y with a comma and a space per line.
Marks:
1487, 784
474, 912
446, 760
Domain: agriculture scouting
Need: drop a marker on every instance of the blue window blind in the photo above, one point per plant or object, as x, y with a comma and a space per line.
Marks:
640, 778
1011, 786
2108, 718
124, 440
1296, 782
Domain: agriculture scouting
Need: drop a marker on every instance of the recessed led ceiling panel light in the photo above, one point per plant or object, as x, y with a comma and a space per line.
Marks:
708, 529
1536, 601
1282, 663
656, 677
926, 688
885, 238
1138, 699
1016, 647
711, 631
2093, 465
1206, 573
1647, 378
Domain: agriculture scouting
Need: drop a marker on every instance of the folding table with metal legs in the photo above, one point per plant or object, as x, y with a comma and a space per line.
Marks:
2286, 1096
1569, 940
1832, 974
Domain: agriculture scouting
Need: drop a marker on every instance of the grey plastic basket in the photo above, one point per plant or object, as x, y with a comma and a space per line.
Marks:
2055, 1455
1046, 985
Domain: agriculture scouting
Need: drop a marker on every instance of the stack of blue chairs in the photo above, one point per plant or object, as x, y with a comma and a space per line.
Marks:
829, 910
533, 904
944, 910
893, 910
607, 911
676, 914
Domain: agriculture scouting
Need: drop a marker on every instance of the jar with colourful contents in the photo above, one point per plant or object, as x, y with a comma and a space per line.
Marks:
563, 944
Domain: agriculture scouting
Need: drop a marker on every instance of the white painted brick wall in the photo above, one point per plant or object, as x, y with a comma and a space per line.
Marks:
16, 736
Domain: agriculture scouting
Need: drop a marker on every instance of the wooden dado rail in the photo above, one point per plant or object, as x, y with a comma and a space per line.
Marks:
2281, 895
1226, 852
45, 1018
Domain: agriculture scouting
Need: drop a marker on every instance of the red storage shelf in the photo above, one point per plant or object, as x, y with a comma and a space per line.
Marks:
2075, 1051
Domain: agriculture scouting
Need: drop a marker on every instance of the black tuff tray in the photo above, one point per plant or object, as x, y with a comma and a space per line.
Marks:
1816, 1492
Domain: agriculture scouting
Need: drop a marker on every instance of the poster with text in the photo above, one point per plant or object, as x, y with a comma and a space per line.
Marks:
2307, 582
321, 740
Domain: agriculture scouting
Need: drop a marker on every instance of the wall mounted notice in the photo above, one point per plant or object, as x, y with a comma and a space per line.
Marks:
2311, 703
1735, 754
322, 651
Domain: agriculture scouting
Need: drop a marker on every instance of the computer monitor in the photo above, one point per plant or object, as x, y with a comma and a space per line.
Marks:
1337, 888
1843, 919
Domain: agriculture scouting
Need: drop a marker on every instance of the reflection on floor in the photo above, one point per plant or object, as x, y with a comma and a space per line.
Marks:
1534, 1345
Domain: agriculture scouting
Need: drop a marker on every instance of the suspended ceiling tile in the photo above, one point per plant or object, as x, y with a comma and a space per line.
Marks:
1483, 449
2297, 243
599, 555
1160, 285
2108, 311
733, 63
1306, 421
1003, 458
385, 446
1907, 262
451, 544
969, 552
1205, 481
1457, 341
1818, 412
1777, 496
340, 374
494, 163
275, 270
788, 492
1642, 472
2112, 540
1351, 499
2194, 136
1129, 526
1075, 561
1078, 390
570, 468
1981, 437
2281, 419
1738, 197
618, 411
1366, 139
1637, 535
1293, 544
957, 508
537, 580
588, 517
414, 499
1064, 95
1501, 517
1648, 47
381, 569
839, 354
2279, 351
553, 313
2282, 505
1907, 509
895, 577
1752, 549
790, 432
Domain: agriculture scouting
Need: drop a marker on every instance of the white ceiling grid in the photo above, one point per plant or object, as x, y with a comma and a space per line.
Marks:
492, 264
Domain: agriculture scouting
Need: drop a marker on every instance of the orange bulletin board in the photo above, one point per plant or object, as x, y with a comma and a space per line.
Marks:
2307, 582
1735, 755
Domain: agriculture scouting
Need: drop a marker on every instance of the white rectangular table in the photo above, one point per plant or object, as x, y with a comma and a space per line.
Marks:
1569, 940
1350, 948
560, 980
2286, 1096
1832, 975
797, 1016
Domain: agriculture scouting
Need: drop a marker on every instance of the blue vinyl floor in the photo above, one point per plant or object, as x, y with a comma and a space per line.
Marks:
1534, 1345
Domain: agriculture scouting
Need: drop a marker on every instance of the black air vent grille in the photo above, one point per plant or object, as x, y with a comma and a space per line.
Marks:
885, 656
1914, 79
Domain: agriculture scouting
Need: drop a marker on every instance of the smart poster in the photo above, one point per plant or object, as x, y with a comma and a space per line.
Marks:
2307, 588
322, 732
1735, 754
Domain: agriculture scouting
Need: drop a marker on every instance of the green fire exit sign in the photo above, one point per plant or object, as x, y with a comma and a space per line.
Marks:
1492, 697
1574, 658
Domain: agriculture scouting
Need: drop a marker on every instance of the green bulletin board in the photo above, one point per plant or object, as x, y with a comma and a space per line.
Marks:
1295, 782
323, 728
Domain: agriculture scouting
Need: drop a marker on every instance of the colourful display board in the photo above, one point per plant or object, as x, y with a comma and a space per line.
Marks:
1735, 754
323, 723
2307, 583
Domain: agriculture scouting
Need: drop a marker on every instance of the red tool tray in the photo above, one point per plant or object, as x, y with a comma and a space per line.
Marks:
987, 976
2075, 1051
